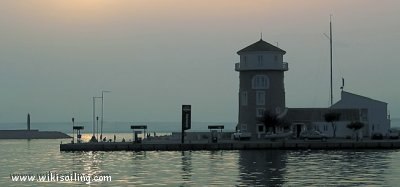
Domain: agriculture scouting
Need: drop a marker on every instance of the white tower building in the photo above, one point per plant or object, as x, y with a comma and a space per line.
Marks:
261, 73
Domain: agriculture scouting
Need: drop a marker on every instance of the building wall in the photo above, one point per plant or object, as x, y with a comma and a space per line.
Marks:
313, 119
377, 111
274, 94
341, 128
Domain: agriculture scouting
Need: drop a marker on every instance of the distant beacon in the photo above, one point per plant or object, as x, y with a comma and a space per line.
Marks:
261, 88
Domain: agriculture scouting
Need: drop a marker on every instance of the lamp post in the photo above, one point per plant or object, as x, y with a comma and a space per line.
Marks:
97, 127
73, 129
102, 111
94, 113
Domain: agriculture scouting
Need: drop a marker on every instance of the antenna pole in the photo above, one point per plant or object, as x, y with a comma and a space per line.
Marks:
330, 39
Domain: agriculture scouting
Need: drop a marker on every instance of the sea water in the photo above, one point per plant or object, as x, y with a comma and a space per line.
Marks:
197, 168
200, 168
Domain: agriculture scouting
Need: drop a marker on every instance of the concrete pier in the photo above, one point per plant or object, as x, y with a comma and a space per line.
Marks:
231, 145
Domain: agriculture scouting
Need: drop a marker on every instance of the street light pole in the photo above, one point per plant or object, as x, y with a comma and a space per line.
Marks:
97, 122
102, 112
73, 129
94, 114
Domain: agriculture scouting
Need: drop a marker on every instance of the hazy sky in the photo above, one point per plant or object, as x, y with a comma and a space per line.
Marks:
155, 55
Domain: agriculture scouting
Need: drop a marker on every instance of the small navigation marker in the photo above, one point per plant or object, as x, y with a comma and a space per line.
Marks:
28, 122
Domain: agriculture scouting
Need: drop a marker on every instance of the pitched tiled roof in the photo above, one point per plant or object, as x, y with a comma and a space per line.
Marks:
261, 46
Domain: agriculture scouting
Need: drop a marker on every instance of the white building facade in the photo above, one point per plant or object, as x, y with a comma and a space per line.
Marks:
377, 116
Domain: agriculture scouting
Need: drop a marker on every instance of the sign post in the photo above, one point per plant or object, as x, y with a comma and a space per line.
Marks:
186, 120
135, 133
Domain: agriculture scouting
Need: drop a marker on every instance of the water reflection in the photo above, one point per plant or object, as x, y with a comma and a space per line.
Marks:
186, 165
204, 168
262, 167
139, 155
338, 168
90, 163
28, 144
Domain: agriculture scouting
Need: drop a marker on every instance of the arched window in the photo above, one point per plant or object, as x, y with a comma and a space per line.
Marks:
260, 82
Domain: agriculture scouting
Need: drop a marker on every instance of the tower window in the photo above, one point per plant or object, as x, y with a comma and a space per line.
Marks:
260, 112
243, 98
260, 97
260, 128
260, 60
260, 82
243, 127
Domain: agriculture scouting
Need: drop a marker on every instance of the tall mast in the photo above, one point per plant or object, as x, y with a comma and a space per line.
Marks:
330, 39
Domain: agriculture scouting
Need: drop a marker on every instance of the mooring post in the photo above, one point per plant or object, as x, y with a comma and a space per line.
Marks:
28, 122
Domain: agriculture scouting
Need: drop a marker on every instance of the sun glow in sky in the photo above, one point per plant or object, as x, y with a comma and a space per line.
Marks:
155, 55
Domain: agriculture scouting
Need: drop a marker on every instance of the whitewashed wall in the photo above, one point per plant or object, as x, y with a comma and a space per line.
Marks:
377, 119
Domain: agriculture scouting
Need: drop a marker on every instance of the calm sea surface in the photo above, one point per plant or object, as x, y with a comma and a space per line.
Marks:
201, 168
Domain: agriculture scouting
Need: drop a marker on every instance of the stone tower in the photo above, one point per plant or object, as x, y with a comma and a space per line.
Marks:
261, 88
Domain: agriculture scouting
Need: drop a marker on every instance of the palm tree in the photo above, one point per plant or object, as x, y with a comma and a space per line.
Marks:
271, 121
355, 126
331, 117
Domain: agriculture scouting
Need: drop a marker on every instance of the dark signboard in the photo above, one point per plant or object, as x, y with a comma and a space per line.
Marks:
78, 127
138, 126
186, 117
216, 127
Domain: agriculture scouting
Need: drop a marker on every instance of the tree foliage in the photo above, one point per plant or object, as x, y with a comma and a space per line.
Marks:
331, 117
355, 125
272, 121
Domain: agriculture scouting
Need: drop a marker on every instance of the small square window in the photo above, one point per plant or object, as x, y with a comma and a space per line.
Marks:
260, 128
260, 112
243, 127
243, 98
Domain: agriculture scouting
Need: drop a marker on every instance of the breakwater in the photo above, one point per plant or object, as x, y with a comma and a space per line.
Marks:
32, 134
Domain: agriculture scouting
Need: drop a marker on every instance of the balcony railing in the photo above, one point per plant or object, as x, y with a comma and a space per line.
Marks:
282, 67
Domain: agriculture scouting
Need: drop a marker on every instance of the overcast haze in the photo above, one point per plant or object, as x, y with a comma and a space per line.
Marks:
155, 55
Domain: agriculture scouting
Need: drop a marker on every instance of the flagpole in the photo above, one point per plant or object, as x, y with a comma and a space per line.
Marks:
330, 39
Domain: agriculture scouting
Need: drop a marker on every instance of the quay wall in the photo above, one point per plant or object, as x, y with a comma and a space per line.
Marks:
129, 146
